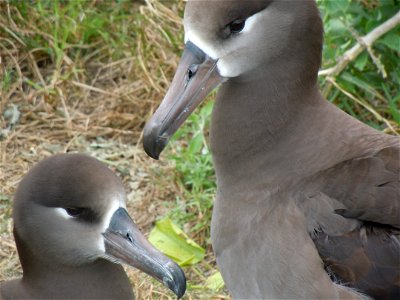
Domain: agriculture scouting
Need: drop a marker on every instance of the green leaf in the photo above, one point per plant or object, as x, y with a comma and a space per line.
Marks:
215, 282
391, 40
207, 108
173, 242
196, 143
361, 61
337, 6
336, 26
358, 82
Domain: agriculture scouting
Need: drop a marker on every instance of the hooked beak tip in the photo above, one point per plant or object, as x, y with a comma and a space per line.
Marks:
150, 151
178, 283
197, 75
125, 243
153, 142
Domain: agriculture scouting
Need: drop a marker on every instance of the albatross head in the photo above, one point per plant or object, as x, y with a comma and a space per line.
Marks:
236, 40
69, 211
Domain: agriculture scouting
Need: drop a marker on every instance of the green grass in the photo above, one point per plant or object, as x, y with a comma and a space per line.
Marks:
194, 172
375, 83
60, 33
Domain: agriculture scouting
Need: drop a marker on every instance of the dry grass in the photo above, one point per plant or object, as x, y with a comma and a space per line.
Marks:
95, 102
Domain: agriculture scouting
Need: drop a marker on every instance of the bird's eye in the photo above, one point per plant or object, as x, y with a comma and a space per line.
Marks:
74, 211
237, 25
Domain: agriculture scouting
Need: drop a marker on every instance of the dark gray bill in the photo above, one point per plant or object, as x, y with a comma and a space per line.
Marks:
124, 242
196, 76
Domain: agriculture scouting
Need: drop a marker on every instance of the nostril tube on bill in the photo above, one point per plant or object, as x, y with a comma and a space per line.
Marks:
192, 71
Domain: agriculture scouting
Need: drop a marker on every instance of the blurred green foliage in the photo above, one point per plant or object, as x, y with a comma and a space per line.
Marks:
375, 82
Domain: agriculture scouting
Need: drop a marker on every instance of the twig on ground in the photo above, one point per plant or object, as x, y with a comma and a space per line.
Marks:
363, 104
363, 43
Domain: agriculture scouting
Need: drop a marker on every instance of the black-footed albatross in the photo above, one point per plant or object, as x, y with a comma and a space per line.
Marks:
308, 198
71, 227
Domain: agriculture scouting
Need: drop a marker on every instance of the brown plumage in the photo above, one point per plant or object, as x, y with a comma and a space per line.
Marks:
308, 201
368, 257
363, 259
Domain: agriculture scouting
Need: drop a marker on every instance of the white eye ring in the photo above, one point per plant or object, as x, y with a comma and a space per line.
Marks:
62, 212
250, 21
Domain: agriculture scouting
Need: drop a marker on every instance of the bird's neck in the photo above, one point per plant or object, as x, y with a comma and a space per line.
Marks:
252, 119
100, 278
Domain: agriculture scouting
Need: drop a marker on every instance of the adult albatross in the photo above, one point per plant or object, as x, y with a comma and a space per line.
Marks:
308, 202
71, 227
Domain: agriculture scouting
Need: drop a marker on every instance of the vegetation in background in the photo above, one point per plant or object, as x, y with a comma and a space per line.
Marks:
172, 241
85, 75
194, 172
373, 78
